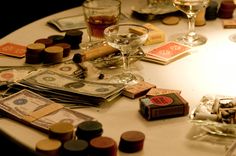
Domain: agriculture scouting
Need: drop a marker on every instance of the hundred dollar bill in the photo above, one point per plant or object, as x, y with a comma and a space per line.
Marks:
51, 80
39, 112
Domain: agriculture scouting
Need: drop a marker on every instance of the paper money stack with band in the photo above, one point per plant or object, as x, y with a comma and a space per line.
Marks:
66, 89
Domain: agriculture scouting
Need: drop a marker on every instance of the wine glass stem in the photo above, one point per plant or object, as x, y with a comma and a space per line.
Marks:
191, 36
125, 58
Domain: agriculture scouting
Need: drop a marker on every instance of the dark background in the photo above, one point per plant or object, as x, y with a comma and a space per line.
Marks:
15, 14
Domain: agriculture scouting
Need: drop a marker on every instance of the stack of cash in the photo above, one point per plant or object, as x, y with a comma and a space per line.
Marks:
65, 89
39, 112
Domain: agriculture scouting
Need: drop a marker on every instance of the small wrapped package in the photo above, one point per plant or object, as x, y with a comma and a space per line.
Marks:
163, 106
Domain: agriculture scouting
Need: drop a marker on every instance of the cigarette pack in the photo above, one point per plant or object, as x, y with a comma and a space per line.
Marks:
163, 106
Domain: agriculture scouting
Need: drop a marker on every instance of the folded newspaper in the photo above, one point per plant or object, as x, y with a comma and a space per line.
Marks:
39, 112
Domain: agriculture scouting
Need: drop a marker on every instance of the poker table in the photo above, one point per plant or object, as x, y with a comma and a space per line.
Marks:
209, 69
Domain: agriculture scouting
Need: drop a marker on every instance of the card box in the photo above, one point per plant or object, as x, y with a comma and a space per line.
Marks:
163, 106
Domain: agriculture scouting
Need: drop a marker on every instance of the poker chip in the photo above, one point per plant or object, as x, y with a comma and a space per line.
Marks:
46, 41
75, 148
74, 38
103, 146
171, 20
48, 146
53, 54
88, 130
62, 131
66, 48
226, 9
34, 53
57, 38
131, 141
211, 11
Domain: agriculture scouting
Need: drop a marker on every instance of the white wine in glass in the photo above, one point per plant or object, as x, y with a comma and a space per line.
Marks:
191, 8
127, 39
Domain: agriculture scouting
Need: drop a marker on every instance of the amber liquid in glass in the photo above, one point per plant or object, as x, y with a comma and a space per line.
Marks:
97, 24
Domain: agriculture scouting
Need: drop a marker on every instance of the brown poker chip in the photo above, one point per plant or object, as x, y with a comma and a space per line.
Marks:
103, 146
171, 20
53, 54
46, 41
66, 48
34, 53
131, 141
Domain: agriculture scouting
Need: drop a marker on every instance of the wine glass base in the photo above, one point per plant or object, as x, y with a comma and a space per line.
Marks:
232, 37
126, 78
182, 38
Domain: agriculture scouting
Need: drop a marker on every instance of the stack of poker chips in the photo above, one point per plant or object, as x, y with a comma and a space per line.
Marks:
211, 11
62, 131
54, 48
226, 9
74, 38
53, 54
34, 53
66, 48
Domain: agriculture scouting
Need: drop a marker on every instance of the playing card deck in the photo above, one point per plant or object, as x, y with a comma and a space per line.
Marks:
167, 53
12, 49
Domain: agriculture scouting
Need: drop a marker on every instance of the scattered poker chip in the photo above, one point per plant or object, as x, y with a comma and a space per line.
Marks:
75, 147
171, 20
89, 129
48, 146
131, 141
103, 146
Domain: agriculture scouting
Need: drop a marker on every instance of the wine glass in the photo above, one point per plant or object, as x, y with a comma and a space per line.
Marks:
98, 15
127, 38
191, 8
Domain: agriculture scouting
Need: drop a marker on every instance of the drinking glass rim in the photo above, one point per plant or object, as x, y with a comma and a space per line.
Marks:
101, 7
106, 32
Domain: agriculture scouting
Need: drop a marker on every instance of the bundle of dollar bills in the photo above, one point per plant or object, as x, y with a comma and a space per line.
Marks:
37, 111
65, 89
